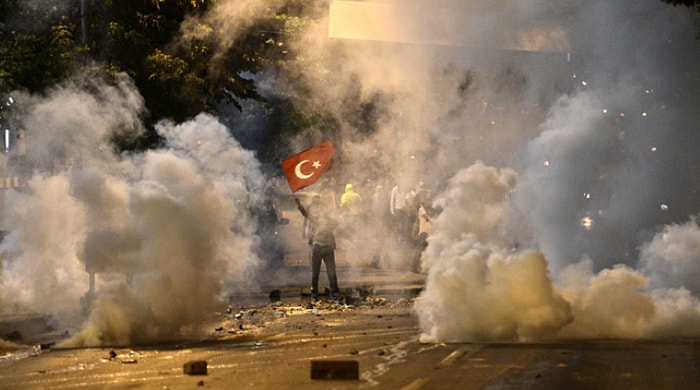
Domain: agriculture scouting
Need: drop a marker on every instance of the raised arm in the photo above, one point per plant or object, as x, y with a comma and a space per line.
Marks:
301, 208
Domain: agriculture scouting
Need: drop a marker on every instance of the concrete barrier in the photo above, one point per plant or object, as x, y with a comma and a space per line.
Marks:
195, 367
335, 369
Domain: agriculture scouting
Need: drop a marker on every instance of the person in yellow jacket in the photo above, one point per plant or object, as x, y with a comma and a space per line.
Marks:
351, 201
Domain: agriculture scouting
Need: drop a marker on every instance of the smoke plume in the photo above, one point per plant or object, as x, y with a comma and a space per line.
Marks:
580, 119
166, 232
559, 141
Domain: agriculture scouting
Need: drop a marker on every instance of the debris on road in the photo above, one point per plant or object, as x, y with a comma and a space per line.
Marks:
130, 357
335, 369
195, 367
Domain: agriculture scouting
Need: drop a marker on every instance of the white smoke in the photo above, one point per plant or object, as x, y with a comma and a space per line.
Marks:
167, 232
672, 258
479, 287
47, 277
179, 213
588, 110
591, 108
581, 117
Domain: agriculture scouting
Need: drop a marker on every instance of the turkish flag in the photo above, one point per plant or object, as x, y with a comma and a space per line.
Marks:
305, 168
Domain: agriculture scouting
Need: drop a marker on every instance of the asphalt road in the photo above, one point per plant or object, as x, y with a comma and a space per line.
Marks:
275, 346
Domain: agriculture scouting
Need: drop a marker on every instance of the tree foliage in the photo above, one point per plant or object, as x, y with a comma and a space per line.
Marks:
40, 45
37, 45
688, 3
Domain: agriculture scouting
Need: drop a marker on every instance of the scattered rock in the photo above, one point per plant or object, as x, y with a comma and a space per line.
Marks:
14, 336
335, 369
195, 367
46, 346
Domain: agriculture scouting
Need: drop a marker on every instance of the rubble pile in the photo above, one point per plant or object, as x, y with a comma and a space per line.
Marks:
258, 319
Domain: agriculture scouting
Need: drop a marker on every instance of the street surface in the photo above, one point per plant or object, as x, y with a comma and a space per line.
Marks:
271, 345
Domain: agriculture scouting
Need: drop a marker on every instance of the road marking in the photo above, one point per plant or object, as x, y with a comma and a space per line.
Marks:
453, 357
510, 367
417, 384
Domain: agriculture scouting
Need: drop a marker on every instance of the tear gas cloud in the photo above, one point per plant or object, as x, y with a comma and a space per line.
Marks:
560, 141
166, 231
586, 110
523, 118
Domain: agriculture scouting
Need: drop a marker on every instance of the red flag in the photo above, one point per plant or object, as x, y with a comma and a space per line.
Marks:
305, 168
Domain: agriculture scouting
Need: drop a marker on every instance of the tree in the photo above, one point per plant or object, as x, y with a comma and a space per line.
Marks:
136, 36
39, 54
177, 81
688, 3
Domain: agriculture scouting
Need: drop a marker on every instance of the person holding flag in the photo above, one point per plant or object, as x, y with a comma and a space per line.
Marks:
302, 170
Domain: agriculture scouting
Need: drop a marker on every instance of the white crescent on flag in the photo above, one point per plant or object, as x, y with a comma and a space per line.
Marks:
298, 173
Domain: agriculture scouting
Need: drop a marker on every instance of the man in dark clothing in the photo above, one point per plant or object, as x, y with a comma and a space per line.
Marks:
322, 240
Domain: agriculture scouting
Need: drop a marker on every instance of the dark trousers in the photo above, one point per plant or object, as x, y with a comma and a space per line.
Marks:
420, 245
327, 255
